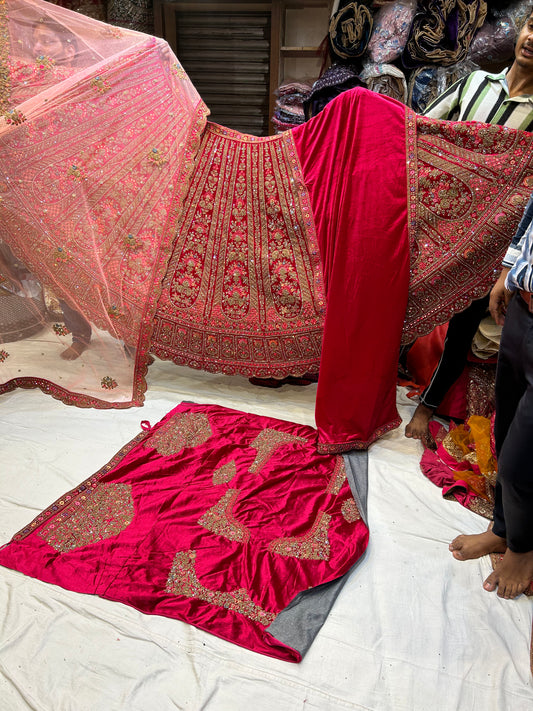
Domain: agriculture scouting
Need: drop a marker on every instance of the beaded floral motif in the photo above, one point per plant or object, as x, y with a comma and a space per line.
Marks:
266, 443
131, 242
183, 580
114, 32
225, 473
15, 117
4, 355
157, 157
349, 511
102, 513
219, 519
62, 255
313, 545
114, 312
179, 71
100, 85
108, 383
337, 478
45, 63
186, 429
60, 329
75, 172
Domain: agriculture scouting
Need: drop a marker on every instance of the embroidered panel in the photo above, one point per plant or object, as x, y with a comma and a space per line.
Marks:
225, 473
102, 513
183, 580
243, 292
349, 511
187, 429
337, 478
266, 443
473, 184
219, 519
313, 545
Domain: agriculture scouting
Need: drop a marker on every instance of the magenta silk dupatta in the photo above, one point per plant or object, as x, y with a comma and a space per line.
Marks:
223, 519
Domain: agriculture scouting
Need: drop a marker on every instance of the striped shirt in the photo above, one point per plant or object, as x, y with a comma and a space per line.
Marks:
519, 256
481, 96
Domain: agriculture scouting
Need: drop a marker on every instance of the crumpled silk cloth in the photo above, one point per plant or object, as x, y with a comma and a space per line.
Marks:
212, 516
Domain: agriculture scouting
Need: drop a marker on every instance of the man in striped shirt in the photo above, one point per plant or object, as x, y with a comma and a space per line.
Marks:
503, 99
512, 529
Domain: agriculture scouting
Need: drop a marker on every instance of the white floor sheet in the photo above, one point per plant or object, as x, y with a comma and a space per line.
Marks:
412, 629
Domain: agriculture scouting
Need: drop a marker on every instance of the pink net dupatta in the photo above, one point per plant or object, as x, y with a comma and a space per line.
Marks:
98, 134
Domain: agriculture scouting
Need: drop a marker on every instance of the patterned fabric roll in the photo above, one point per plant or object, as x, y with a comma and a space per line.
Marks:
349, 31
442, 31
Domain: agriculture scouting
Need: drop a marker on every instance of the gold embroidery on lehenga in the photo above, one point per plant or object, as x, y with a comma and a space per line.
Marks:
338, 477
225, 473
349, 511
5, 80
313, 545
183, 580
103, 513
223, 308
186, 429
266, 443
219, 519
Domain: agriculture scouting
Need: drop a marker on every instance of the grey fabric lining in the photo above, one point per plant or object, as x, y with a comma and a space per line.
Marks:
298, 624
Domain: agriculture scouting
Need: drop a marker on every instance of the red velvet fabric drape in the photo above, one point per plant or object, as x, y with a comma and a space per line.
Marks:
359, 148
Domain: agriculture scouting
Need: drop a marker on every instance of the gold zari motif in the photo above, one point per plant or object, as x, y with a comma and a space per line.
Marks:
349, 511
313, 545
266, 443
219, 519
183, 580
225, 473
187, 429
338, 477
93, 517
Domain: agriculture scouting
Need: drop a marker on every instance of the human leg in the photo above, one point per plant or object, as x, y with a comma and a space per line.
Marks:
461, 330
80, 329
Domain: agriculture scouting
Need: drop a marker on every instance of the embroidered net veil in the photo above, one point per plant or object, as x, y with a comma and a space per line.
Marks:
98, 131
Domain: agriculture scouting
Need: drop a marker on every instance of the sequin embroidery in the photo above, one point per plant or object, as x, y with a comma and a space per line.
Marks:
313, 545
100, 514
183, 580
186, 429
266, 443
219, 519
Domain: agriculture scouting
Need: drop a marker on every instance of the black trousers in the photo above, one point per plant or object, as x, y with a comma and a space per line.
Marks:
461, 330
513, 429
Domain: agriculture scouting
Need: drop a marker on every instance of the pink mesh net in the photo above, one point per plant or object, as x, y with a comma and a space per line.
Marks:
99, 127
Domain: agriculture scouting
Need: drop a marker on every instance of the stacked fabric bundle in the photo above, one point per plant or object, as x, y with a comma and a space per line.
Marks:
289, 111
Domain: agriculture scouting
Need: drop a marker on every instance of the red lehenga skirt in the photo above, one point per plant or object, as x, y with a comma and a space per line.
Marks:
320, 246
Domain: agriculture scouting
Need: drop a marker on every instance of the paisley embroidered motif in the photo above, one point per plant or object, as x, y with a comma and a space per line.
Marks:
93, 517
349, 511
183, 580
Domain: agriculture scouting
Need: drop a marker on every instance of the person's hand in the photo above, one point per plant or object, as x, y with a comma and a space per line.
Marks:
499, 298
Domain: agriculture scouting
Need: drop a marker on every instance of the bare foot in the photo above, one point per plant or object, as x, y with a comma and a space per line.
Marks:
418, 427
74, 351
512, 575
477, 545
